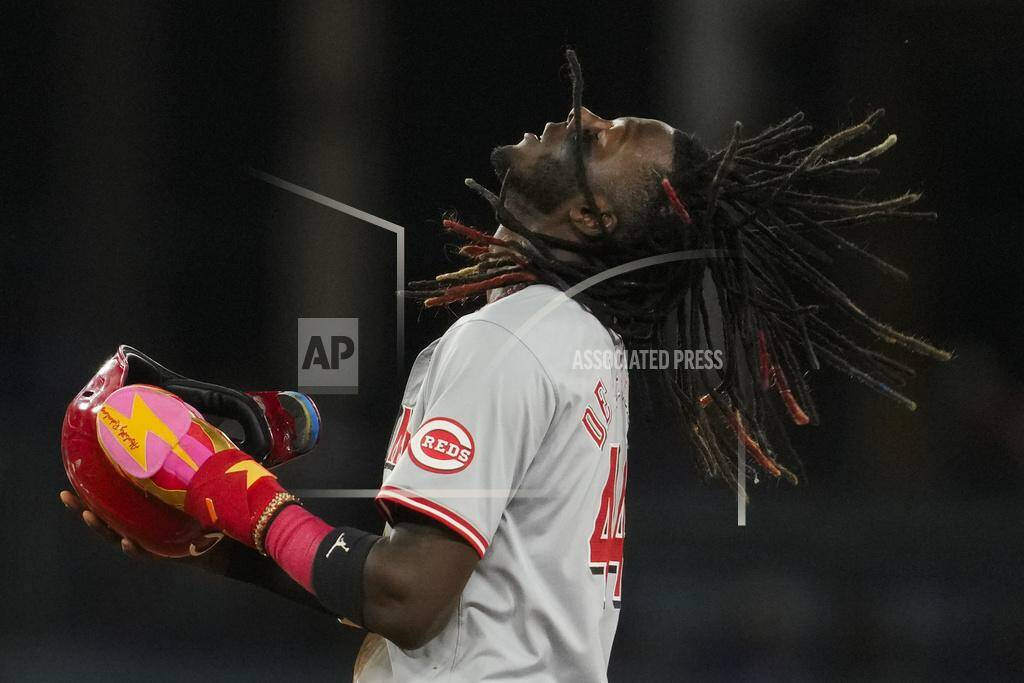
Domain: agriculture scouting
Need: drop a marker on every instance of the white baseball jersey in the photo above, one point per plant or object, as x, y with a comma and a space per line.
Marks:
507, 439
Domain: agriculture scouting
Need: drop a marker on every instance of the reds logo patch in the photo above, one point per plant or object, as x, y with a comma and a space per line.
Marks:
442, 445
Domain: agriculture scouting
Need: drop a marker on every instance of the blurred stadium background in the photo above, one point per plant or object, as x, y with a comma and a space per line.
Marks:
128, 218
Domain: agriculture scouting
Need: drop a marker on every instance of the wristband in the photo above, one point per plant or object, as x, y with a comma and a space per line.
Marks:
338, 571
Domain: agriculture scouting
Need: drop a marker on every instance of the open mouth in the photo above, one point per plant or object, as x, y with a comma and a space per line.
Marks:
548, 127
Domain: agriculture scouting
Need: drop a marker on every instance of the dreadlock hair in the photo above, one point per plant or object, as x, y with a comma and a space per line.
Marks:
759, 209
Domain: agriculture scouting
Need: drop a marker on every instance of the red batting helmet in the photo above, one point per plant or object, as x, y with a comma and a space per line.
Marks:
277, 426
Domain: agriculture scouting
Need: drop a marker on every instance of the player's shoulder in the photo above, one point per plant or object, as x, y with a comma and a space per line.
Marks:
540, 314
551, 325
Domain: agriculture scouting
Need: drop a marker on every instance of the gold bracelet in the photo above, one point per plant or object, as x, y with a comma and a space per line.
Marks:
279, 500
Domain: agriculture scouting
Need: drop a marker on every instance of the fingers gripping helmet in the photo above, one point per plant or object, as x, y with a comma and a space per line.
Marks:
276, 425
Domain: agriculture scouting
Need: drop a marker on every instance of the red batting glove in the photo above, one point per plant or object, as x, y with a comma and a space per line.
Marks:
235, 494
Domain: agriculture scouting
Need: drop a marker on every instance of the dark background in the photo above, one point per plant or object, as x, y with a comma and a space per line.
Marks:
128, 218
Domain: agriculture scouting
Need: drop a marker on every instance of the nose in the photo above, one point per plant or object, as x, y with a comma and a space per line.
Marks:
589, 120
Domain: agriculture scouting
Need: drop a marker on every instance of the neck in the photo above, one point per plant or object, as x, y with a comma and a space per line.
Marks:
501, 292
557, 224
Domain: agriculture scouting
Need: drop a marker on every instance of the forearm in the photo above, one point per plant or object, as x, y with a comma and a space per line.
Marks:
372, 581
411, 586
241, 563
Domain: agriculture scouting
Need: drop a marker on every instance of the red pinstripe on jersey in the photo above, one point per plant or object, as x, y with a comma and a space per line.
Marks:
437, 512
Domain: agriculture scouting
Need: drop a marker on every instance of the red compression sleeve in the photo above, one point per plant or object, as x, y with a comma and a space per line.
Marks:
292, 540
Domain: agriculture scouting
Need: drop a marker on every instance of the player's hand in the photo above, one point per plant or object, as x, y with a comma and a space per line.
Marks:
236, 495
215, 560
128, 547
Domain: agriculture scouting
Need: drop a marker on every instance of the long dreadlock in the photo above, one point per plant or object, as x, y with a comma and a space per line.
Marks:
758, 202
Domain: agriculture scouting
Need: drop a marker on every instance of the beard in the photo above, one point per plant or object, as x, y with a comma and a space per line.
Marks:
500, 160
548, 183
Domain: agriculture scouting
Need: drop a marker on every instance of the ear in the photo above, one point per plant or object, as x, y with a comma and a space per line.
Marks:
585, 220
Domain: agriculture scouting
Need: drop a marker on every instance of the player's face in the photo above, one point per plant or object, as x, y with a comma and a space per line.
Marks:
620, 154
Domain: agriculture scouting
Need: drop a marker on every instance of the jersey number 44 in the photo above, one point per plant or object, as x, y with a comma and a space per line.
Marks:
610, 525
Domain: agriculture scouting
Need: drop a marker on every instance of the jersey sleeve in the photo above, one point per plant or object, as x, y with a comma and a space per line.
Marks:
483, 410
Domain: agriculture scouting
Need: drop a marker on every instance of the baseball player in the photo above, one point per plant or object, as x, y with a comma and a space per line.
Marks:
504, 482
